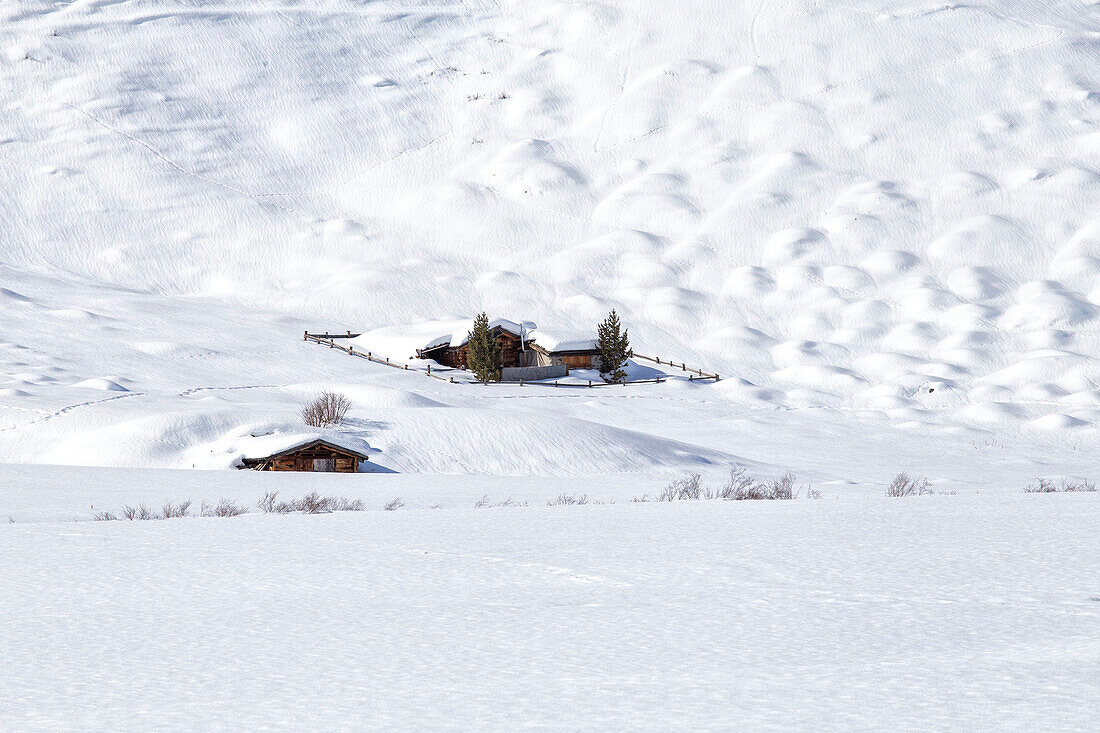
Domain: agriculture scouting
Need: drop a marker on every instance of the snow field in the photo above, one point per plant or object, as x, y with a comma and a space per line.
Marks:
940, 612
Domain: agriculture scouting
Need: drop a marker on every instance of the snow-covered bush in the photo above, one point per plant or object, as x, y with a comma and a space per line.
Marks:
325, 410
394, 505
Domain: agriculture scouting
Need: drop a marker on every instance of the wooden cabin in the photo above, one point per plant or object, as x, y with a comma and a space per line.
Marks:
315, 455
457, 356
576, 353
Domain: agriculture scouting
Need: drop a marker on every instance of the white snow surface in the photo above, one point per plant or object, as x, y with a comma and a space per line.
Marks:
975, 611
878, 221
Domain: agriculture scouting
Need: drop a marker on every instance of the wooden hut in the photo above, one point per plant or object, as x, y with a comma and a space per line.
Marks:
518, 348
314, 454
456, 353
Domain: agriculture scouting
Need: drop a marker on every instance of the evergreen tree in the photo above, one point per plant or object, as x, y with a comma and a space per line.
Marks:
614, 348
484, 358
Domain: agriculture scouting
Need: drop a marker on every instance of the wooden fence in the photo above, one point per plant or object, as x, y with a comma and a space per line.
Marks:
328, 339
695, 375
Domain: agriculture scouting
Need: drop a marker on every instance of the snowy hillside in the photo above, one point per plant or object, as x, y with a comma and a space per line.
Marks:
885, 210
877, 220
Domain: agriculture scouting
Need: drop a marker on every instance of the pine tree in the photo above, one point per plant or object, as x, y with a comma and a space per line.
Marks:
484, 351
614, 348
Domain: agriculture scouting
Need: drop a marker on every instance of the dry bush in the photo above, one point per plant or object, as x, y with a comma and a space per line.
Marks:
739, 487
510, 502
224, 508
906, 485
103, 517
267, 503
394, 505
782, 488
171, 511
1046, 486
1041, 486
570, 500
325, 410
735, 488
312, 503
684, 489
482, 502
139, 513
812, 493
344, 504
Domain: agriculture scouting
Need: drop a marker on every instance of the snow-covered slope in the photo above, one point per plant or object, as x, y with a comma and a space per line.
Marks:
888, 210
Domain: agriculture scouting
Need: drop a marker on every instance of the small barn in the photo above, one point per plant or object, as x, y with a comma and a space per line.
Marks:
311, 454
576, 351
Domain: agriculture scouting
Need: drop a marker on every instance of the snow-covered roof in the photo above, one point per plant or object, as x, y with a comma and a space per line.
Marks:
254, 446
400, 342
564, 340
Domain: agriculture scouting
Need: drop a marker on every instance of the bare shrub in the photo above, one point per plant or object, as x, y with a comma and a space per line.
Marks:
569, 500
224, 508
1046, 486
325, 410
394, 505
314, 503
344, 504
139, 513
1041, 486
689, 488
906, 485
812, 493
172, 511
1083, 485
268, 503
644, 498
782, 488
482, 502
739, 487
735, 488
104, 516
510, 502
